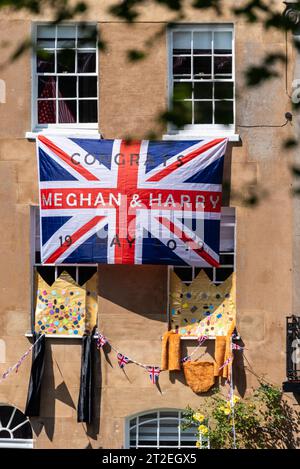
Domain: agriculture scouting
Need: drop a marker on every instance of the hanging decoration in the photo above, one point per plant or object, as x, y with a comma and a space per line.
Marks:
65, 308
17, 365
202, 308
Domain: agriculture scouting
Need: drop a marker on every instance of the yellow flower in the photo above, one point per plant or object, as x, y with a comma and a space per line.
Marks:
198, 417
236, 399
203, 429
226, 411
198, 444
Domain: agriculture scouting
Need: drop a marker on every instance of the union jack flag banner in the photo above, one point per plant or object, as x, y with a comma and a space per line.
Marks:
137, 202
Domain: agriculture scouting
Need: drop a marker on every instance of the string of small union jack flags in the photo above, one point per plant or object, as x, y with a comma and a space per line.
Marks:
153, 370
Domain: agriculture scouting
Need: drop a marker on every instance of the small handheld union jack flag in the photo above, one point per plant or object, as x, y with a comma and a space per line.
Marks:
153, 373
101, 341
122, 360
202, 338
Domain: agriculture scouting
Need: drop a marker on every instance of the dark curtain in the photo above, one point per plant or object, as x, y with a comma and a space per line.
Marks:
84, 408
36, 377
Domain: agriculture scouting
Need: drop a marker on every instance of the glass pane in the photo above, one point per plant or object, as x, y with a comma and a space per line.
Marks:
88, 112
67, 112
86, 62
202, 43
184, 273
223, 42
88, 87
209, 272
202, 67
45, 62
182, 90
182, 43
66, 61
223, 66
66, 36
202, 90
182, 67
85, 273
47, 87
203, 113
224, 112
46, 112
224, 90
67, 87
87, 36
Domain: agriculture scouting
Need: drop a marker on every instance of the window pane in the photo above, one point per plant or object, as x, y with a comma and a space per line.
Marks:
46, 112
66, 61
202, 67
86, 62
203, 113
182, 43
67, 87
87, 87
46, 87
88, 112
223, 112
202, 43
45, 62
70, 270
223, 42
202, 90
224, 90
66, 36
182, 67
182, 90
67, 112
87, 36
223, 66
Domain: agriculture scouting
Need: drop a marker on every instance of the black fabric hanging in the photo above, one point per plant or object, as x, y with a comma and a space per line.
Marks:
36, 377
84, 408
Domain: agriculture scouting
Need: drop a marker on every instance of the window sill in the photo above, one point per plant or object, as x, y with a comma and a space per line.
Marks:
72, 133
202, 134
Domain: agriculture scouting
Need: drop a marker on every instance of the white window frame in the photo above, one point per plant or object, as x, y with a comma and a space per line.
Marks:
82, 128
157, 419
196, 130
